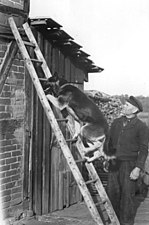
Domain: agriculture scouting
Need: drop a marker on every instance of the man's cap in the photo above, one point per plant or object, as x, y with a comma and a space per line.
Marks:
132, 100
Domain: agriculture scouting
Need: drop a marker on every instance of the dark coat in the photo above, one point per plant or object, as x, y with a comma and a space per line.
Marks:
130, 141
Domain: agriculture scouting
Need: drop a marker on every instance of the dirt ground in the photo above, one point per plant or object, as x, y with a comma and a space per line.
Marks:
77, 214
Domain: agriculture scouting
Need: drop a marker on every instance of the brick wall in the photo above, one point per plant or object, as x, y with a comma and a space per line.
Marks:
12, 108
13, 3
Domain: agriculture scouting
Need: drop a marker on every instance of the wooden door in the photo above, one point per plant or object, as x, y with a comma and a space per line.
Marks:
51, 184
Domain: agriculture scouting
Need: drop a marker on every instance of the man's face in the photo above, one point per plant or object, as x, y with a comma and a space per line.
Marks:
129, 109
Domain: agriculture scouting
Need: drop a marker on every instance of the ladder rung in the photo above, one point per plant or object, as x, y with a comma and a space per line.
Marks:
100, 204
63, 120
29, 44
43, 79
80, 160
37, 61
91, 181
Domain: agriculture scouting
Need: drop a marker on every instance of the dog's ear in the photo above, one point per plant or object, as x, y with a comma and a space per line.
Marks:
53, 79
55, 76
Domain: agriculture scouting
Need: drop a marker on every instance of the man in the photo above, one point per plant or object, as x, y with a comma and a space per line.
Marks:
129, 136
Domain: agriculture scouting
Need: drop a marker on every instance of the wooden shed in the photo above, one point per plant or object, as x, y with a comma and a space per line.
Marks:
48, 181
42, 180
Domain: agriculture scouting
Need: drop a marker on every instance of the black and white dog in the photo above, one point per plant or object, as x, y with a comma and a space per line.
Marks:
94, 129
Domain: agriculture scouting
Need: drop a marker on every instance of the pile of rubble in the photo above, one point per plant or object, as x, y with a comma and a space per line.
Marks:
109, 105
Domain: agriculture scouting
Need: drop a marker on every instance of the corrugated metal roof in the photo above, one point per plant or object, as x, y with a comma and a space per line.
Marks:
53, 32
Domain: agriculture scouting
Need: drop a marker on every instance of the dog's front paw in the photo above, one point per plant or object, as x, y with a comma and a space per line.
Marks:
88, 159
75, 137
96, 156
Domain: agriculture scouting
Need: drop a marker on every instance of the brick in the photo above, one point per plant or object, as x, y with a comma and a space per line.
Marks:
11, 173
11, 160
5, 205
16, 201
16, 190
5, 101
15, 165
7, 88
8, 148
16, 153
22, 63
6, 193
14, 141
2, 108
19, 159
2, 54
16, 62
6, 213
4, 47
19, 146
5, 143
9, 136
16, 177
6, 180
19, 76
14, 68
6, 199
2, 175
10, 185
11, 80
19, 182
16, 196
20, 82
2, 162
5, 168
22, 69
6, 94
5, 115
5, 155
3, 187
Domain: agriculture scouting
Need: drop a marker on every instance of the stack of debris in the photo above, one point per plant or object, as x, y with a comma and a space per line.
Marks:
111, 108
109, 105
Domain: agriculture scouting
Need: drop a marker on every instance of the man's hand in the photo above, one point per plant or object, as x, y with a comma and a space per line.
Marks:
135, 173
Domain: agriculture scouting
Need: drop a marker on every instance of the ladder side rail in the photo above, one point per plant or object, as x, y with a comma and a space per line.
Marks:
37, 50
51, 118
98, 184
7, 62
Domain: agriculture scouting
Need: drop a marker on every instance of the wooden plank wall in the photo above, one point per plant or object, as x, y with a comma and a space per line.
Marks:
52, 185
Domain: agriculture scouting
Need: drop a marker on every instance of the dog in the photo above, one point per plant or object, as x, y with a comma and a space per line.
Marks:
95, 127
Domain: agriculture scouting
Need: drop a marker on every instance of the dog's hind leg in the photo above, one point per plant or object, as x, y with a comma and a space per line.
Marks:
93, 147
96, 149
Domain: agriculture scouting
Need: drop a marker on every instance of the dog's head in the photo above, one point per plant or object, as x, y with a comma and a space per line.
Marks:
53, 84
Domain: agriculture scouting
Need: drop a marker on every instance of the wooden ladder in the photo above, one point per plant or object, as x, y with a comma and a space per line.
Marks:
102, 212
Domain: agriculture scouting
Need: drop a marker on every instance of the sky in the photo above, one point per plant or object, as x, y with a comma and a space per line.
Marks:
115, 33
